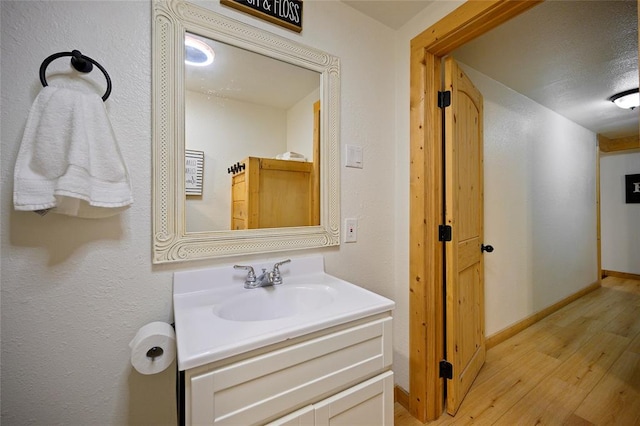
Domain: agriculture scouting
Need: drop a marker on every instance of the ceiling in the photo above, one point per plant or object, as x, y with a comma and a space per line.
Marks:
569, 56
250, 77
392, 13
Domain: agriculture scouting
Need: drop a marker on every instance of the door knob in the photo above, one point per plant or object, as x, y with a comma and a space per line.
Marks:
487, 248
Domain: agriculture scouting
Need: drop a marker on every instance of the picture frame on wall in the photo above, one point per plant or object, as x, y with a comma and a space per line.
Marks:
193, 171
632, 188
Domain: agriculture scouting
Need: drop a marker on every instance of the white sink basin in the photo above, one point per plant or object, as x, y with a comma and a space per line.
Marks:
216, 317
269, 303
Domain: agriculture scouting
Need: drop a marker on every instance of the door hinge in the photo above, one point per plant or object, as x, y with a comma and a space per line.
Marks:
444, 233
446, 369
444, 99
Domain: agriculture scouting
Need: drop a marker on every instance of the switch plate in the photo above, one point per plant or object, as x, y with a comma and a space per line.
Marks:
350, 230
354, 156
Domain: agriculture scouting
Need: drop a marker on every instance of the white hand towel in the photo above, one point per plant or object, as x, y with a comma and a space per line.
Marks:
69, 160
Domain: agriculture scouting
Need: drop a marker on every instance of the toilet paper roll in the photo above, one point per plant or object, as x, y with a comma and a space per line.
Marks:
154, 348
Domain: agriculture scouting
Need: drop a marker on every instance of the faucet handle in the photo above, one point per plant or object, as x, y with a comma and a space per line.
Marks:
276, 277
251, 275
277, 265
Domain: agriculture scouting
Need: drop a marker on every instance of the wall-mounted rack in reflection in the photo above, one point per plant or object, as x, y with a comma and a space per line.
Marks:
236, 168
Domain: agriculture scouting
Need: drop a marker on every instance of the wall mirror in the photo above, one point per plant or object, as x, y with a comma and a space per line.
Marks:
245, 149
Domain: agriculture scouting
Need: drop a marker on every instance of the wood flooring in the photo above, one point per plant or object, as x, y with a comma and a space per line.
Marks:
578, 366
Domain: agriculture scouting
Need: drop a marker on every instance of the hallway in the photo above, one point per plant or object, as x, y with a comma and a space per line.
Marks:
578, 366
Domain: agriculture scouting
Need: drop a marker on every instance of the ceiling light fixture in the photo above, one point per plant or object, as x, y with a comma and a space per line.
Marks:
627, 100
197, 53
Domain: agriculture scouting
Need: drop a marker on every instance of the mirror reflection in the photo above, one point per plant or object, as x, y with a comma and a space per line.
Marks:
189, 164
252, 139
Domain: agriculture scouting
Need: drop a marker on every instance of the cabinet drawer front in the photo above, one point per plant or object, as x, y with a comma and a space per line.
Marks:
270, 385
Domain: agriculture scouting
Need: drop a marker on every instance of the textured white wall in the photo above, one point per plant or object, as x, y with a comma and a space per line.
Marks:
75, 292
620, 229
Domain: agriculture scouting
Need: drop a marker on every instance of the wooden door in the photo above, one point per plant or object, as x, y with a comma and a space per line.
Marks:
464, 270
470, 20
315, 179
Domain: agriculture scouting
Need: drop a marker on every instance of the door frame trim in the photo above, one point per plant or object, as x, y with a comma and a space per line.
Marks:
426, 339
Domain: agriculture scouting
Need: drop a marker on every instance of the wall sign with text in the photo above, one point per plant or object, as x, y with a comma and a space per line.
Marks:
193, 171
286, 13
632, 188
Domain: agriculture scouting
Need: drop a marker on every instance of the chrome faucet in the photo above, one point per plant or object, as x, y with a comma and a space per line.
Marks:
250, 281
276, 278
272, 277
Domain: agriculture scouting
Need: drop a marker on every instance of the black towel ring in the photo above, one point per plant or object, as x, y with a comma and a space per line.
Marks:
79, 62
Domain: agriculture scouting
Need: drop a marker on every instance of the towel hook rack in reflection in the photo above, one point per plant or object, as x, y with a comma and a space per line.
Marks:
81, 63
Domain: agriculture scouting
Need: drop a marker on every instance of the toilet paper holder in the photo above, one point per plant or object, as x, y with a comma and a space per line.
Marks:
153, 348
155, 352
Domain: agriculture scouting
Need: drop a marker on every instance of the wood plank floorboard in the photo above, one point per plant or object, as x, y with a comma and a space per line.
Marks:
579, 366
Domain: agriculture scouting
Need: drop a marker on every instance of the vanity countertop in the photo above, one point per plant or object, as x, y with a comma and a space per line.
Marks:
216, 317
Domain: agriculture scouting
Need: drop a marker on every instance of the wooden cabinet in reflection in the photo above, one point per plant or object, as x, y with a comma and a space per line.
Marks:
271, 193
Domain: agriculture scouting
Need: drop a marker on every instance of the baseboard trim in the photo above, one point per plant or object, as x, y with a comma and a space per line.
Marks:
516, 328
623, 275
401, 396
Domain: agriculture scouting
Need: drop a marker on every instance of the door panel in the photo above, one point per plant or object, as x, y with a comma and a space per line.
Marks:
464, 213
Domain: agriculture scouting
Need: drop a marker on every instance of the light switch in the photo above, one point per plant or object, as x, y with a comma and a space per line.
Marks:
350, 230
354, 156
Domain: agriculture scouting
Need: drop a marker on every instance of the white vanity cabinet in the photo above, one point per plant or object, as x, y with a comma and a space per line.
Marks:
340, 375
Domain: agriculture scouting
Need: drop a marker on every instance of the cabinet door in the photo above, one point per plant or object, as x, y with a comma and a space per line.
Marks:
302, 417
368, 403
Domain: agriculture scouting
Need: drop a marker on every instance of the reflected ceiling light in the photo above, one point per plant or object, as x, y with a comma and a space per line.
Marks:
197, 53
627, 100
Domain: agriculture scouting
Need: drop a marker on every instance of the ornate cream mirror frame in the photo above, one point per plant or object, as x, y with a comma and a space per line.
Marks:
171, 241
